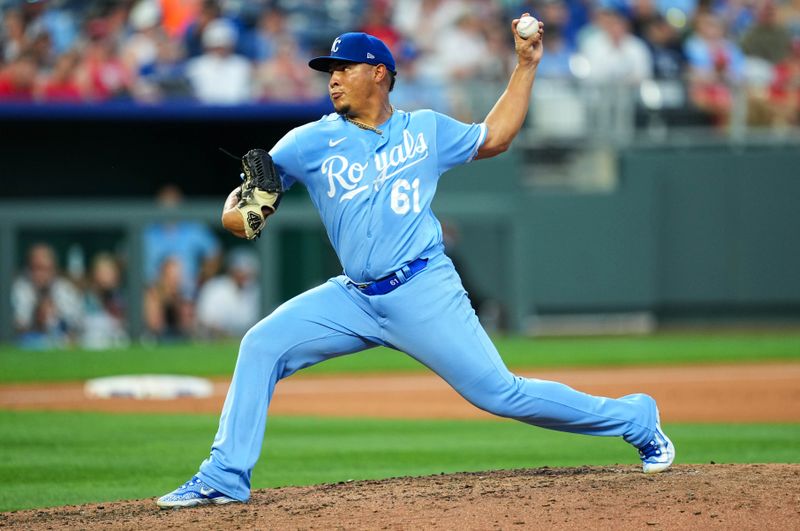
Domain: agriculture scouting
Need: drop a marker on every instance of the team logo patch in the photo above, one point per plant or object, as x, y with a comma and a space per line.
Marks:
370, 56
253, 220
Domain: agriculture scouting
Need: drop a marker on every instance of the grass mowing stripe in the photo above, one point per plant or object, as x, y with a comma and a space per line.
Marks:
68, 458
518, 352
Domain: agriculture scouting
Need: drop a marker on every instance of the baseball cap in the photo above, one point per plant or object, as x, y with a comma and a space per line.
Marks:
356, 47
219, 33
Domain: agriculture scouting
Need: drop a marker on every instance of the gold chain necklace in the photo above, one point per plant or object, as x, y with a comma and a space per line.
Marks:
365, 126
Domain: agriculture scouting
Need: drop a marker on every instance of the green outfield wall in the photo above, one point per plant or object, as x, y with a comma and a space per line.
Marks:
692, 230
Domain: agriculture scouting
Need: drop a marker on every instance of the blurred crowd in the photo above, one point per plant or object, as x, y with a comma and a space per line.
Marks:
193, 290
235, 52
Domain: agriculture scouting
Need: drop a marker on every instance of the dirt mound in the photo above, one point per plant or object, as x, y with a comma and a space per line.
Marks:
686, 497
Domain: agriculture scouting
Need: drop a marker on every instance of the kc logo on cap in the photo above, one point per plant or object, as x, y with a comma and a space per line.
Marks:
355, 47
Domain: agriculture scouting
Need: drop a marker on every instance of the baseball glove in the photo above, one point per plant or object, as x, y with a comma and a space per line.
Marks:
261, 189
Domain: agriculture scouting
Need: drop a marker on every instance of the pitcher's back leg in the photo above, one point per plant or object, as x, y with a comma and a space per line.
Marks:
441, 330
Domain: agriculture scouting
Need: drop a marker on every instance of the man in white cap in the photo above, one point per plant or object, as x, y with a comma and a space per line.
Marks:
220, 77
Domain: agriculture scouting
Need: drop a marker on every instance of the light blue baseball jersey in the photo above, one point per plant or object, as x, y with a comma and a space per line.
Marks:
374, 191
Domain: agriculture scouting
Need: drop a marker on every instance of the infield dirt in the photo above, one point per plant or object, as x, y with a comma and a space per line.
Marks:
685, 497
766, 392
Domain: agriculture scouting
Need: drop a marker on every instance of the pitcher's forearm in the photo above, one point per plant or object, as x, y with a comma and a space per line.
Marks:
505, 119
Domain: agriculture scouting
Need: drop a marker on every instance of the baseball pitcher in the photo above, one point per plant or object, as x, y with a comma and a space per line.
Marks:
371, 171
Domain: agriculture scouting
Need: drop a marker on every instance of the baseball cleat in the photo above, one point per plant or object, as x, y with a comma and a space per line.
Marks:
191, 494
658, 454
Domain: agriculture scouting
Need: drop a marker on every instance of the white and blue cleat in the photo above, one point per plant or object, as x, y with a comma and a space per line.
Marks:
658, 454
191, 494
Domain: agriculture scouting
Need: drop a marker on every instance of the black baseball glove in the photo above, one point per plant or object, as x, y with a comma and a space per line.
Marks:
260, 193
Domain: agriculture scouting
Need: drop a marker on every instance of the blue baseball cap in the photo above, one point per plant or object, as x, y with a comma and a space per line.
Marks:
356, 47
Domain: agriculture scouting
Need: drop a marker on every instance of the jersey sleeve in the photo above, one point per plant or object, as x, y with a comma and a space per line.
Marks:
286, 156
457, 142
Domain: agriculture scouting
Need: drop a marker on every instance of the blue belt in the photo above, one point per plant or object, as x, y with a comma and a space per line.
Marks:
386, 284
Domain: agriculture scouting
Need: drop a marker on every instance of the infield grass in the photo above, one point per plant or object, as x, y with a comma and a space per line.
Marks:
518, 352
71, 458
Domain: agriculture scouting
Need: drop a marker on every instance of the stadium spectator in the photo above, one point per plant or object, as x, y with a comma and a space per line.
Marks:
663, 41
48, 311
426, 20
219, 76
417, 91
61, 83
165, 78
556, 17
784, 92
193, 36
14, 40
261, 43
708, 48
286, 76
580, 14
228, 305
41, 48
613, 53
377, 21
140, 47
17, 79
43, 16
716, 64
734, 15
642, 14
789, 16
114, 17
558, 53
168, 314
102, 73
104, 305
766, 38
190, 243
460, 53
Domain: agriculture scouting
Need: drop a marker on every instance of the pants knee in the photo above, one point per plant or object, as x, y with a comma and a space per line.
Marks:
257, 348
495, 399
266, 347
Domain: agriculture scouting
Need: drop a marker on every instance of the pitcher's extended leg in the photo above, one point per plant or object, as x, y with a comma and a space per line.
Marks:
317, 325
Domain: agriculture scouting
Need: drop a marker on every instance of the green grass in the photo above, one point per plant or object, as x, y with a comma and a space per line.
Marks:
70, 458
218, 359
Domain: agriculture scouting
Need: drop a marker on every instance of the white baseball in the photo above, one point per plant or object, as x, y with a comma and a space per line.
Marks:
527, 26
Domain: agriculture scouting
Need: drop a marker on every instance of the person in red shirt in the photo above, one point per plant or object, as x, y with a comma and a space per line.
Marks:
17, 79
102, 74
61, 84
784, 92
378, 22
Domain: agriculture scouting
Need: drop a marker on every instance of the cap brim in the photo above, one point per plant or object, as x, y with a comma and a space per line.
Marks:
323, 64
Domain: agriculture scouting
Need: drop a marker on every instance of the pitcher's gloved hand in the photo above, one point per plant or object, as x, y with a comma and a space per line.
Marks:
260, 193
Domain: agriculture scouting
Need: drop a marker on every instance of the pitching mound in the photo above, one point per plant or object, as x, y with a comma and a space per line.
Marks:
686, 497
